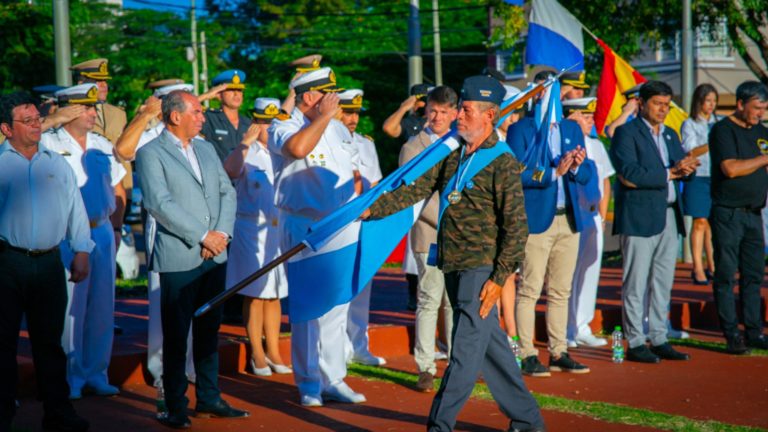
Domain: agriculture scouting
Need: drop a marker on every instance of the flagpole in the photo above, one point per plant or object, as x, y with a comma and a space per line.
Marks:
222, 297
589, 32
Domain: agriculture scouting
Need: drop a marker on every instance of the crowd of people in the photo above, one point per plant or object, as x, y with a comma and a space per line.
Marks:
225, 193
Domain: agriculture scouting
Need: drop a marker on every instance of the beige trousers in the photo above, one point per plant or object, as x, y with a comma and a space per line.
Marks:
550, 255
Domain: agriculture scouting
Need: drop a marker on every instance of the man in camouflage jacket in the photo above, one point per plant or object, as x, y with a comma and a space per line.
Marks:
481, 238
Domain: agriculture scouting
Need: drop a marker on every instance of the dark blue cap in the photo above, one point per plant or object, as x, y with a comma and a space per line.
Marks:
483, 88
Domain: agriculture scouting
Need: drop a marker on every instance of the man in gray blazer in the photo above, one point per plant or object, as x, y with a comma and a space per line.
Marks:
431, 295
187, 191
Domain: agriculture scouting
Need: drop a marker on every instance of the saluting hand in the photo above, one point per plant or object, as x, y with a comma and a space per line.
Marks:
252, 134
79, 268
329, 105
152, 107
488, 296
66, 114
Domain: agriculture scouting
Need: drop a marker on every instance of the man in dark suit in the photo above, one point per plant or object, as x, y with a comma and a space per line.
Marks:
554, 223
187, 191
649, 162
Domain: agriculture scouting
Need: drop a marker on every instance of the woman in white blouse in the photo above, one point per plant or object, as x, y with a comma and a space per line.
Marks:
256, 240
696, 196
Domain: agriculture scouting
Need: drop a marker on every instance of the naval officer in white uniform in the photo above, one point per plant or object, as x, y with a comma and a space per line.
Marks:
256, 239
89, 322
315, 164
357, 350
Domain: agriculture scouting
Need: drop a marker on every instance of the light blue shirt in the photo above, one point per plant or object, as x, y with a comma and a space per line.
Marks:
40, 203
661, 146
188, 152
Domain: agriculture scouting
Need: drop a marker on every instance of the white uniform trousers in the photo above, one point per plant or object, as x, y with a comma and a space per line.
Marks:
357, 324
317, 351
90, 319
586, 278
155, 325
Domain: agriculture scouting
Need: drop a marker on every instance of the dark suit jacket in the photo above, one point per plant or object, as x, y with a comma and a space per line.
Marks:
541, 196
641, 210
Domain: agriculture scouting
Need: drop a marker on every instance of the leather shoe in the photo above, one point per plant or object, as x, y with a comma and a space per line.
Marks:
174, 421
735, 345
666, 352
642, 354
426, 382
64, 419
760, 342
220, 409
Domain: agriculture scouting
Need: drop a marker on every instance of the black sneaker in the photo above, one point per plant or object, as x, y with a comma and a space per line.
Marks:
531, 366
761, 342
642, 354
666, 352
566, 364
735, 345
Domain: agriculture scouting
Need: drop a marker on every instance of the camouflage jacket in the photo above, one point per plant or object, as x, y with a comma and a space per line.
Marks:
487, 227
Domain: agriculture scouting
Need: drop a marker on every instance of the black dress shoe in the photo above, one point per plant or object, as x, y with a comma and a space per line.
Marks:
666, 352
174, 421
735, 345
642, 354
709, 274
64, 419
761, 342
220, 409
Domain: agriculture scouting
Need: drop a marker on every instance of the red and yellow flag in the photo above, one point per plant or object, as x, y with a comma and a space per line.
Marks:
617, 77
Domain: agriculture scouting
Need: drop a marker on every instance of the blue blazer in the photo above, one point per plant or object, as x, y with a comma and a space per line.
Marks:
541, 197
641, 210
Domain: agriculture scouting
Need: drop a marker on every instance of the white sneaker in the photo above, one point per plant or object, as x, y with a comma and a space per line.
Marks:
311, 401
341, 392
368, 359
439, 355
278, 368
677, 334
590, 341
572, 344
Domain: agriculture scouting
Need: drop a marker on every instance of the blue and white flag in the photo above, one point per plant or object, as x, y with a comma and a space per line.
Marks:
345, 253
554, 37
549, 110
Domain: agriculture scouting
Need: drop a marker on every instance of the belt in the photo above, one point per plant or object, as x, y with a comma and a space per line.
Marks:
756, 211
561, 211
27, 252
672, 204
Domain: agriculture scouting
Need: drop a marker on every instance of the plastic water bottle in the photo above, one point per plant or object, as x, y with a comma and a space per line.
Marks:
618, 345
514, 344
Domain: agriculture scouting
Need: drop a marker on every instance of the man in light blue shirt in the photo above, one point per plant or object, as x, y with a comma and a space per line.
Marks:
40, 206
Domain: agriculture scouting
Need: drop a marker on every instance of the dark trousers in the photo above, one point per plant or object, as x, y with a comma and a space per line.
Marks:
737, 238
181, 294
479, 345
34, 286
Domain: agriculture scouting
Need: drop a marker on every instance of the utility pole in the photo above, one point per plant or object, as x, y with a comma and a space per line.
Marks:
61, 42
415, 75
436, 36
204, 56
687, 63
193, 24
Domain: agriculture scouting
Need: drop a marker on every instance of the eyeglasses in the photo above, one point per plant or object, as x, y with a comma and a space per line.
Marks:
30, 121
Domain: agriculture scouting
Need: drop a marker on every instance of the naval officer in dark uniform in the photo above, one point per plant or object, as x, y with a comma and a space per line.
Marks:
225, 127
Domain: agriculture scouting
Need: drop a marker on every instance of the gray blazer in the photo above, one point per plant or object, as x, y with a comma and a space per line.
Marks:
424, 231
184, 209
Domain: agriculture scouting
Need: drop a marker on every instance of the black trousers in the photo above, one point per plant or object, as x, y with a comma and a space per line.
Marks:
737, 238
34, 286
181, 294
479, 345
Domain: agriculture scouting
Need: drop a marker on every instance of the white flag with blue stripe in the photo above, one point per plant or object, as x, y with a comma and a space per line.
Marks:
554, 37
